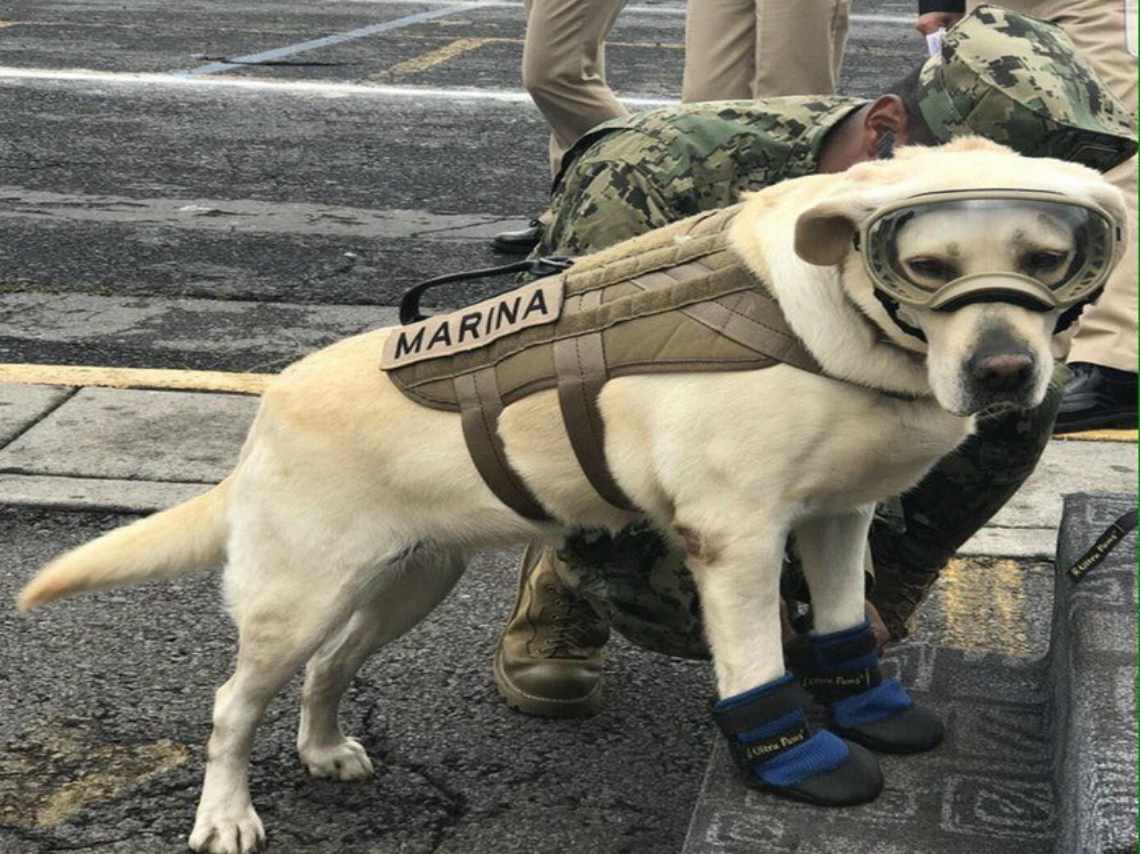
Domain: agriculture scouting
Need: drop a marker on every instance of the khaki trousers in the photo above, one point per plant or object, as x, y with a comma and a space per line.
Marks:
564, 67
1107, 331
762, 48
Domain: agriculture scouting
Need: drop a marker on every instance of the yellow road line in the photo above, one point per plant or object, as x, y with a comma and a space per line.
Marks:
152, 378
432, 58
458, 47
245, 383
1099, 436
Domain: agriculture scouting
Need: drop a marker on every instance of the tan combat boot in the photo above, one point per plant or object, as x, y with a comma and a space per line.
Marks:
549, 659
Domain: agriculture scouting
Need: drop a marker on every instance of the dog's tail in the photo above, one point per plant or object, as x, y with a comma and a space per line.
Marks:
186, 538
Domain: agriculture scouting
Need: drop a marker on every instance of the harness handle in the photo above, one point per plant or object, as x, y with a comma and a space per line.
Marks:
538, 267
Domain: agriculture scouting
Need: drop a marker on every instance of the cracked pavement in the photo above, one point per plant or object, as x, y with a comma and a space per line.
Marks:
108, 710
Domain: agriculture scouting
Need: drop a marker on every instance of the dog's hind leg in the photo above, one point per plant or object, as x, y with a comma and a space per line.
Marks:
399, 601
286, 597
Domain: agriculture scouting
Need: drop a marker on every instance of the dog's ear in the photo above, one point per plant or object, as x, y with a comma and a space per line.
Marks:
824, 232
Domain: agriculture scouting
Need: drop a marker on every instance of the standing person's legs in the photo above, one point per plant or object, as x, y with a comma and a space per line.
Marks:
763, 48
1107, 333
720, 50
564, 67
799, 46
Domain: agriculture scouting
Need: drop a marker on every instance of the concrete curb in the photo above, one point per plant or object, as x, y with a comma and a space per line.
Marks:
1093, 673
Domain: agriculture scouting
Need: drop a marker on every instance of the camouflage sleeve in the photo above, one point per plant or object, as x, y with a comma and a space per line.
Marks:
956, 498
603, 202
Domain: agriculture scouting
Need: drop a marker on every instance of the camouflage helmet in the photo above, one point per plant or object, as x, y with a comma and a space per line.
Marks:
1019, 81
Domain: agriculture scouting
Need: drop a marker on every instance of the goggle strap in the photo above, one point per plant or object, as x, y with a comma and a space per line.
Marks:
1069, 316
892, 309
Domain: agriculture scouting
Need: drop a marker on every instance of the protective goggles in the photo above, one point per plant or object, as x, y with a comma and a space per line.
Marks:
1039, 249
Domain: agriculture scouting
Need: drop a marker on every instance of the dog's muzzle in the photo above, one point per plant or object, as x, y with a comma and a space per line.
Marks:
1061, 265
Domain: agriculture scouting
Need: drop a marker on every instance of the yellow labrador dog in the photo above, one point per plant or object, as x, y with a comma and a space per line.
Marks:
352, 510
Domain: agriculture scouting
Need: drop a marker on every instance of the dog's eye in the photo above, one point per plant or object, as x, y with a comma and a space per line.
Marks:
1043, 261
932, 268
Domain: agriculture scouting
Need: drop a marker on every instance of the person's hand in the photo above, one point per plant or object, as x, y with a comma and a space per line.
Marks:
932, 22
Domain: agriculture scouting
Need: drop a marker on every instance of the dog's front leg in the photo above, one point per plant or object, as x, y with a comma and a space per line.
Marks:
839, 662
738, 579
761, 709
831, 549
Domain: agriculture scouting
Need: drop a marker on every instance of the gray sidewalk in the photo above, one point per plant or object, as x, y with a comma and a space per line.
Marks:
139, 450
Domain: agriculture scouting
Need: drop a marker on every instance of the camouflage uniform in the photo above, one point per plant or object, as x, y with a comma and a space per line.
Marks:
632, 175
1005, 76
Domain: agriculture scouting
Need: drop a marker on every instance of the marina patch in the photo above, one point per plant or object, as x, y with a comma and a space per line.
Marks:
474, 326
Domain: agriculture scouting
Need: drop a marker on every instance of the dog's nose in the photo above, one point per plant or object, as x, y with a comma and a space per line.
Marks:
1001, 371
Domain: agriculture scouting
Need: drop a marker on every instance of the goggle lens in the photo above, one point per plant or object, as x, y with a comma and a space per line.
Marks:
913, 251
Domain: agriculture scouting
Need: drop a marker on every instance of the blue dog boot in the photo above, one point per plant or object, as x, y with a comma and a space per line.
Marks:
841, 671
770, 742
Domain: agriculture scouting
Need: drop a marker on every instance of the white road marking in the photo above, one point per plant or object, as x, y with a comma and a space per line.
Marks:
327, 41
302, 87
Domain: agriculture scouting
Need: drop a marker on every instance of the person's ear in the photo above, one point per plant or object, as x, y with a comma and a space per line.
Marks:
886, 115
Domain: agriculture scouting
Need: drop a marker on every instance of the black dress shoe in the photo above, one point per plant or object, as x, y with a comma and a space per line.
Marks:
518, 242
1097, 397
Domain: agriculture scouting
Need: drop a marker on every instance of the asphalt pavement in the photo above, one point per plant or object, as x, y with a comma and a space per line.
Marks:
203, 187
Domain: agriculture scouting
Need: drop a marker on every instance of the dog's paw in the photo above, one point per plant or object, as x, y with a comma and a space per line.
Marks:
227, 832
347, 760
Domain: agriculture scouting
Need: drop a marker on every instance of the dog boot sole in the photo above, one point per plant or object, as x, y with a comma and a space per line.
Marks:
915, 730
859, 780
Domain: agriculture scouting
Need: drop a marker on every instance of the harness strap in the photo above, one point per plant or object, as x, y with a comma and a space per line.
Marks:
537, 267
480, 405
581, 366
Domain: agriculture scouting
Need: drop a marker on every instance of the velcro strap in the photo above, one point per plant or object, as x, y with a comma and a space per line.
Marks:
763, 705
745, 753
835, 649
838, 665
834, 685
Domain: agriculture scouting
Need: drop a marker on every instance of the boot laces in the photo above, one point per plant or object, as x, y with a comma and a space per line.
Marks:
571, 625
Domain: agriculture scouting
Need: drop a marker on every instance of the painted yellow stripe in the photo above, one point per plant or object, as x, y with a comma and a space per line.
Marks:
1099, 436
246, 383
153, 378
458, 47
432, 58
519, 41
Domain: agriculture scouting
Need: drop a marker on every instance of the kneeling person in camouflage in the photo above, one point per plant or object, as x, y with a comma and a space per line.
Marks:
1008, 77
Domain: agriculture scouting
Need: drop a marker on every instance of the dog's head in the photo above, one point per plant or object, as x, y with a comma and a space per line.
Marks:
971, 254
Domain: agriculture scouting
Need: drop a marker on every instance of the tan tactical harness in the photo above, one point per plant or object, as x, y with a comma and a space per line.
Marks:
676, 300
